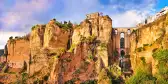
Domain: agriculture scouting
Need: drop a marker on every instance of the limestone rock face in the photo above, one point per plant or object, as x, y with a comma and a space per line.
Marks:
105, 29
37, 39
38, 58
46, 53
79, 65
55, 37
153, 35
18, 52
99, 27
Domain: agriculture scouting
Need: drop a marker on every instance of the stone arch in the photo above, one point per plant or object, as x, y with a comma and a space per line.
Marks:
122, 53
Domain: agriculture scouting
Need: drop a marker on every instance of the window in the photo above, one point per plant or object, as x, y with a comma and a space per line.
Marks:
122, 40
129, 31
116, 31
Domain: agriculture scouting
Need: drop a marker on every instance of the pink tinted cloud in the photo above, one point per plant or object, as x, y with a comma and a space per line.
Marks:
21, 14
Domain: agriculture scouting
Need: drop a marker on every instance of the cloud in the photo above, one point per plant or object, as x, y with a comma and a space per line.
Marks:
25, 13
17, 16
124, 13
20, 17
129, 18
5, 36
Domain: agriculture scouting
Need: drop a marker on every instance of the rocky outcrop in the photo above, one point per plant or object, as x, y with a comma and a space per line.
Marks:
99, 28
88, 53
38, 58
47, 53
18, 52
54, 36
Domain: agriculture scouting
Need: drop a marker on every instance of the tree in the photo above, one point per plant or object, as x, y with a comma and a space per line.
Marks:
11, 37
70, 24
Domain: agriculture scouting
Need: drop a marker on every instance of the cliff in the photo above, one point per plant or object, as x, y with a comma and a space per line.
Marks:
62, 52
18, 52
97, 28
147, 39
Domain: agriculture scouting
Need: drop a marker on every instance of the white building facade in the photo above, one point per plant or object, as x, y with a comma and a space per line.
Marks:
157, 15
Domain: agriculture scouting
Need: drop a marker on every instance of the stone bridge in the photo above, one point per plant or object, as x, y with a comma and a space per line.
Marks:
121, 39
121, 44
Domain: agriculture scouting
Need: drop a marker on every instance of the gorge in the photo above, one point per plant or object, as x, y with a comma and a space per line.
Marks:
92, 52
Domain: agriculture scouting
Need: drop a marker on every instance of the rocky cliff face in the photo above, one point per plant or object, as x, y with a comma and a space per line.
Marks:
18, 52
146, 39
98, 28
89, 50
37, 59
59, 53
55, 37
46, 44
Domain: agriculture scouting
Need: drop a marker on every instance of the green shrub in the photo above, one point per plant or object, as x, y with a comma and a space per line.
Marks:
163, 69
143, 60
56, 57
154, 50
33, 27
61, 50
89, 82
5, 68
134, 31
161, 55
58, 24
115, 70
70, 25
103, 45
72, 48
24, 78
115, 53
145, 45
139, 49
84, 65
12, 72
103, 77
161, 81
91, 38
91, 57
45, 78
77, 71
16, 37
68, 60
72, 81
10, 38
141, 77
38, 81
64, 26
12, 41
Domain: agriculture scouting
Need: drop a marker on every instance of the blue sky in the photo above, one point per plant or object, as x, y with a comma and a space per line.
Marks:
18, 16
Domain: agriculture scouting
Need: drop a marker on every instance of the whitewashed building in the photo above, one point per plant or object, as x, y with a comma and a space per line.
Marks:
157, 15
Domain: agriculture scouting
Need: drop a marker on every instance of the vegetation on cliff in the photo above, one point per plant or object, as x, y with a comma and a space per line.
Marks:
161, 55
65, 25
